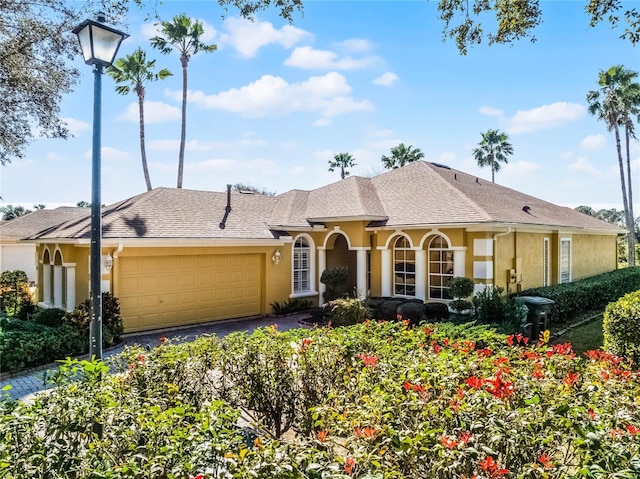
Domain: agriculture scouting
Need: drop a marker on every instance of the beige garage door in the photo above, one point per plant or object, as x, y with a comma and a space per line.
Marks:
162, 291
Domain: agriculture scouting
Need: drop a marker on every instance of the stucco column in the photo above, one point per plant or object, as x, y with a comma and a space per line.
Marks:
71, 288
421, 273
361, 272
46, 283
459, 256
322, 265
385, 272
57, 286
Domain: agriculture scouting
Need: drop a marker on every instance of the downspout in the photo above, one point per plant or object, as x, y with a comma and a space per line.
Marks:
495, 252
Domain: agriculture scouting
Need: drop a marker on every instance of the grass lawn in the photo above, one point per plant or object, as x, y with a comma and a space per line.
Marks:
584, 338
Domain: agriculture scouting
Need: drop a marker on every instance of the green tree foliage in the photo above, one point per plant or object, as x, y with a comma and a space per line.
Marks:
83, 204
493, 150
401, 155
465, 21
131, 74
245, 188
342, 161
10, 212
617, 104
182, 34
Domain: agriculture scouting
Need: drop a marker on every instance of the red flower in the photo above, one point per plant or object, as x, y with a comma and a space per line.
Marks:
436, 348
591, 414
399, 317
483, 352
448, 443
474, 382
368, 361
349, 462
632, 429
492, 468
571, 379
546, 461
141, 358
199, 476
414, 387
465, 437
427, 331
499, 388
163, 339
322, 435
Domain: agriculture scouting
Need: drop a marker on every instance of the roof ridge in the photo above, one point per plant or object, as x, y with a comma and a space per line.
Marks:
457, 191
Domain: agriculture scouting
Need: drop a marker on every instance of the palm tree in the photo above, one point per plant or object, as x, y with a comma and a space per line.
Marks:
132, 73
492, 150
401, 155
10, 212
342, 161
617, 103
183, 35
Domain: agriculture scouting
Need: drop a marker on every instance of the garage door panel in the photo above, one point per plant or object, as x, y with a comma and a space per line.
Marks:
169, 291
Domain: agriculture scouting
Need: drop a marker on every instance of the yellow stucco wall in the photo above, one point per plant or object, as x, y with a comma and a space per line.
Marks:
593, 254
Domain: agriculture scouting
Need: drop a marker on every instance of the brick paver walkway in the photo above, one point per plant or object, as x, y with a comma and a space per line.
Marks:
25, 385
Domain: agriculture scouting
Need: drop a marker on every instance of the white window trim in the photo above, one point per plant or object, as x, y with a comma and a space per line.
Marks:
429, 274
393, 252
546, 262
564, 240
312, 268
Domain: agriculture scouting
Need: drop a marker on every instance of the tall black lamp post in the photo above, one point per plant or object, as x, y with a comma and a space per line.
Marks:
99, 45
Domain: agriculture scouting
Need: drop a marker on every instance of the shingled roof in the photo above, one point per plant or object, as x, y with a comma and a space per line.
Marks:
419, 194
40, 222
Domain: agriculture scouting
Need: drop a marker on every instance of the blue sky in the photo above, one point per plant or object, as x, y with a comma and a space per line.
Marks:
276, 101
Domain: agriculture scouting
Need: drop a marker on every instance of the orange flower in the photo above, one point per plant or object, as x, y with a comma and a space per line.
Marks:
492, 468
571, 379
448, 443
546, 461
349, 462
322, 435
163, 339
474, 382
465, 437
369, 361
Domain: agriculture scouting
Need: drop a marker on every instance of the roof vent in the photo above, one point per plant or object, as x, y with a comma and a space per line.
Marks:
477, 180
526, 208
227, 210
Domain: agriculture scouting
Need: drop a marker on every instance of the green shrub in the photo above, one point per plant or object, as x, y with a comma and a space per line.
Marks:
461, 287
493, 306
25, 344
294, 305
112, 327
335, 279
621, 327
348, 311
50, 316
589, 294
15, 297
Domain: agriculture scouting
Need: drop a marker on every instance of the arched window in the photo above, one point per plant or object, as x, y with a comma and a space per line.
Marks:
404, 268
301, 266
440, 268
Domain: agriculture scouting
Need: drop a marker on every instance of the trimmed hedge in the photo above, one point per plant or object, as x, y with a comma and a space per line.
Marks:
620, 327
26, 344
594, 293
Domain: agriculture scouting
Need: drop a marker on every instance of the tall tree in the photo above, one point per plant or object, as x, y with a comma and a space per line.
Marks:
617, 104
183, 35
401, 155
342, 161
10, 212
493, 150
132, 73
245, 188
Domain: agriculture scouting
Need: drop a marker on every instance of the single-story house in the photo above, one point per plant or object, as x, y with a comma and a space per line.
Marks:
20, 255
181, 256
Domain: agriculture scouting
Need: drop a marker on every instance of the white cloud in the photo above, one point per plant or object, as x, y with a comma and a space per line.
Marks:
582, 164
593, 142
490, 111
386, 79
566, 155
190, 146
154, 112
546, 116
355, 45
248, 37
153, 29
309, 58
328, 95
217, 164
446, 157
76, 126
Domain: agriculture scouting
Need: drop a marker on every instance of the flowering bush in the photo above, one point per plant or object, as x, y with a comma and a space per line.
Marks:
375, 400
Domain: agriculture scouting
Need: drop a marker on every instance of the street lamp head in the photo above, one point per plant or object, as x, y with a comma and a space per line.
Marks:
99, 42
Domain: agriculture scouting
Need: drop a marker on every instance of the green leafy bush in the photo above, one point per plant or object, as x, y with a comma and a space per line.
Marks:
335, 279
348, 311
594, 293
493, 306
15, 297
112, 326
50, 316
461, 287
26, 344
374, 400
621, 327
294, 305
